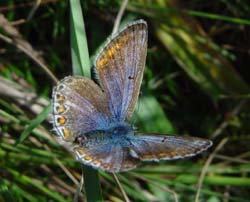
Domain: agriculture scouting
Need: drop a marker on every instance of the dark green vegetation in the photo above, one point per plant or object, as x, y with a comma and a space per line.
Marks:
196, 82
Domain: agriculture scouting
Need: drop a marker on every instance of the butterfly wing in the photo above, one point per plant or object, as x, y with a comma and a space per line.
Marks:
120, 157
107, 157
154, 147
120, 67
79, 106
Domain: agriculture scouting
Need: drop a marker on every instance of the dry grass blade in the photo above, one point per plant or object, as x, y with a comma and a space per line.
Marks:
79, 189
204, 170
121, 188
18, 41
73, 179
23, 5
197, 54
23, 96
236, 110
119, 16
175, 196
33, 10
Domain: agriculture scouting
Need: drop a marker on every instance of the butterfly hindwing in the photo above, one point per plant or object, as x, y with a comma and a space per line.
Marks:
108, 157
154, 147
120, 65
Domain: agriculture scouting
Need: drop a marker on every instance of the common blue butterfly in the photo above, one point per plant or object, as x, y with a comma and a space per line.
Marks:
94, 116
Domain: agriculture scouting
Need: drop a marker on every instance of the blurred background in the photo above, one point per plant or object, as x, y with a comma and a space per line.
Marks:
196, 82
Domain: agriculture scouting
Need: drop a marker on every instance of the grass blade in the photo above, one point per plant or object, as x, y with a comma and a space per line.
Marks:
81, 66
39, 119
28, 181
78, 39
152, 117
218, 17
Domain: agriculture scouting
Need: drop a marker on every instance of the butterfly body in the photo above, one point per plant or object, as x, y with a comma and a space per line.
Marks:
94, 117
117, 133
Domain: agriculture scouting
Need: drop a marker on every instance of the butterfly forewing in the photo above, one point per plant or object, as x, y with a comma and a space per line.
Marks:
79, 106
154, 147
120, 67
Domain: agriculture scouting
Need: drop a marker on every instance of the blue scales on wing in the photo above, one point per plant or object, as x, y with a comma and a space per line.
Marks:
120, 66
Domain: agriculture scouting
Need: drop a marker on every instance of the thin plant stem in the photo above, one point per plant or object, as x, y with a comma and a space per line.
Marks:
205, 168
121, 188
119, 16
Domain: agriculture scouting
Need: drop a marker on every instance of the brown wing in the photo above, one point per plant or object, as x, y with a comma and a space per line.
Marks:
120, 67
153, 147
79, 106
107, 157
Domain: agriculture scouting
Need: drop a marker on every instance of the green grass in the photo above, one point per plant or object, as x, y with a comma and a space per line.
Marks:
81, 66
196, 82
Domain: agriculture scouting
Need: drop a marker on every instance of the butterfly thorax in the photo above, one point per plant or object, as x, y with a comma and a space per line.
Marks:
120, 129
117, 133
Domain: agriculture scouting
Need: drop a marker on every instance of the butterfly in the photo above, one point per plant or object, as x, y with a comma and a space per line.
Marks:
94, 116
